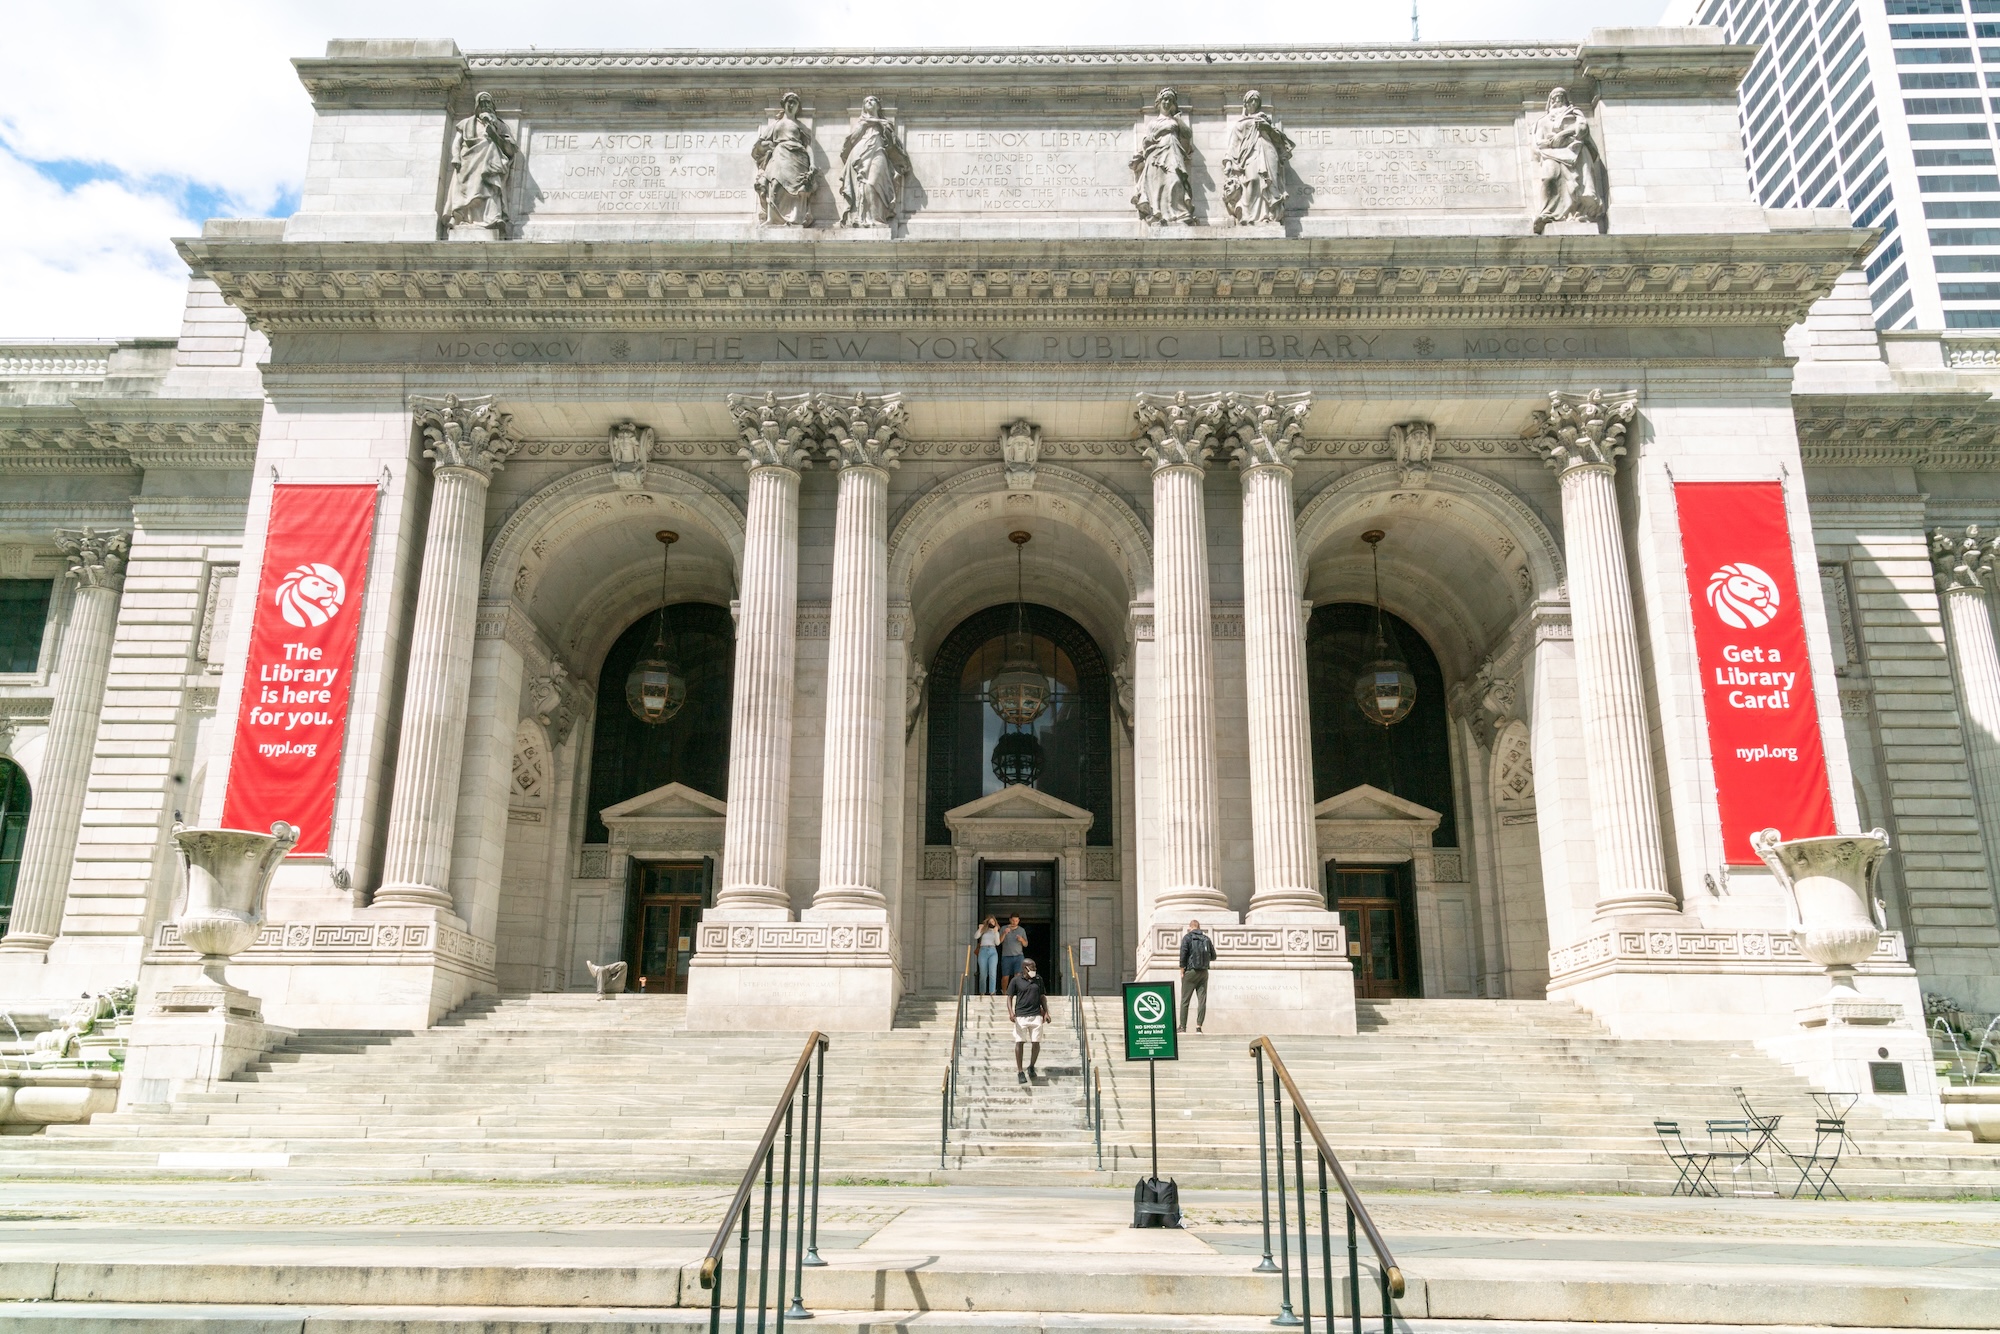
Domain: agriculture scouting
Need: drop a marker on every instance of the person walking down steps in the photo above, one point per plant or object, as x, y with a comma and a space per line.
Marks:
988, 940
1027, 1006
1013, 949
1197, 953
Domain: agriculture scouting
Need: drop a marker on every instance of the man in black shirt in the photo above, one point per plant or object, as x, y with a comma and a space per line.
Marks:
1027, 1006
1197, 953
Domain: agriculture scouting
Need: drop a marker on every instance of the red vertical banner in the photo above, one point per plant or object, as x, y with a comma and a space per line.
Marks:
1756, 675
286, 762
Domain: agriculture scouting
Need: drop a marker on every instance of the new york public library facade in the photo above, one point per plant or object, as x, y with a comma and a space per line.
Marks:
375, 547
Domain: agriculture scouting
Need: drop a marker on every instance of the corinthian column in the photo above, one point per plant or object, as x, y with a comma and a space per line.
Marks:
1581, 437
1964, 564
863, 439
1263, 435
1179, 431
468, 441
760, 718
97, 565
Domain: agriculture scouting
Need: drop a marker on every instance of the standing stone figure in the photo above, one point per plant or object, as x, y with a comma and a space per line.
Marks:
786, 178
482, 157
1160, 189
1571, 168
1253, 172
873, 167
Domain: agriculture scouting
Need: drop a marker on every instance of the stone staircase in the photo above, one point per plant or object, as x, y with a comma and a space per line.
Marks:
1434, 1095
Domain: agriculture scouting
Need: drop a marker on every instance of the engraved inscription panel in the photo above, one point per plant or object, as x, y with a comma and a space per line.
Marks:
1354, 168
1031, 170
660, 172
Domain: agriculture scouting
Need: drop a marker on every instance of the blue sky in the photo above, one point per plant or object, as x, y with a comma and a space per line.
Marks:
125, 124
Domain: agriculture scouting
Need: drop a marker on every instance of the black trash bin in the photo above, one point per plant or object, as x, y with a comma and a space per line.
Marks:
1156, 1202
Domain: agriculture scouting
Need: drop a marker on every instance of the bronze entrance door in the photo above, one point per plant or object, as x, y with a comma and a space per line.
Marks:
1026, 890
1375, 906
666, 904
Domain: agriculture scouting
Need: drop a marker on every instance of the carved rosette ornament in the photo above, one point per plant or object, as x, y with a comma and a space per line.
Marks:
1179, 428
1264, 432
468, 433
96, 556
631, 451
1583, 430
778, 430
1962, 559
865, 431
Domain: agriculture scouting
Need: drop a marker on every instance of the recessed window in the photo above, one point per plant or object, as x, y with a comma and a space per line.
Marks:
1934, 55
1967, 263
24, 615
1954, 157
1948, 131
1926, 32
1943, 79
1972, 319
1969, 291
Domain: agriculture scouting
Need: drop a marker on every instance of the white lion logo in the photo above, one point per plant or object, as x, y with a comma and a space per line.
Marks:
1743, 596
311, 595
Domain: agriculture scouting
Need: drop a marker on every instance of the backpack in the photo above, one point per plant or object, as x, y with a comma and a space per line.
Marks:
1201, 951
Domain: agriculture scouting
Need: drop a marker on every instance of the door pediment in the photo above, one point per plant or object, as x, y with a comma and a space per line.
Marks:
1365, 823
675, 801
1018, 818
668, 820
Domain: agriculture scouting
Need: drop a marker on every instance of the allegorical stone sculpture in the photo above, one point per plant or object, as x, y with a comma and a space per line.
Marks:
1020, 450
1572, 170
1160, 189
1253, 171
482, 158
631, 450
1414, 444
873, 167
787, 178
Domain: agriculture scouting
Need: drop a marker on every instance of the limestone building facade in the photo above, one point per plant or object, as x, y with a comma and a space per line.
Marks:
1296, 371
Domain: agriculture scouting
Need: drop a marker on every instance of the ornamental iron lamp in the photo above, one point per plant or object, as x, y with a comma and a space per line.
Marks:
1385, 691
1020, 691
656, 689
1017, 758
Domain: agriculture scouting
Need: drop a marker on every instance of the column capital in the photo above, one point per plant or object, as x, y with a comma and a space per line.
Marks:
778, 430
1264, 432
469, 433
1581, 430
1962, 559
865, 431
96, 556
1179, 428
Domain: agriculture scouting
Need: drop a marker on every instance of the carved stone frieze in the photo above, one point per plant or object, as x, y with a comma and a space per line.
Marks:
1963, 559
217, 598
346, 942
1179, 428
1582, 430
1931, 431
940, 864
468, 433
1264, 432
794, 944
631, 450
1287, 945
1413, 444
96, 556
1666, 949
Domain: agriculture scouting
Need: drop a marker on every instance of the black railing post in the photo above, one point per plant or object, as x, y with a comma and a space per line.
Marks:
812, 1259
1285, 1314
1353, 1274
743, 1270
1305, 1252
1325, 1245
764, 1249
1264, 1266
798, 1311
785, 1214
1388, 1311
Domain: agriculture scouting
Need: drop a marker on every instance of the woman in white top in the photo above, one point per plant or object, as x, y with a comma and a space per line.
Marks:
988, 940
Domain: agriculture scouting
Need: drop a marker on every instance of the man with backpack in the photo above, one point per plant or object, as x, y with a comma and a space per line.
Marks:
1197, 953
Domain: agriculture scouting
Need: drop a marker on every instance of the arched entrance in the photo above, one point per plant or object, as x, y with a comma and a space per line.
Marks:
1065, 754
13, 833
687, 753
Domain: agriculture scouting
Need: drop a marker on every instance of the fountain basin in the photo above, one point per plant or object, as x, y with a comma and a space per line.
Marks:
1975, 1108
33, 1098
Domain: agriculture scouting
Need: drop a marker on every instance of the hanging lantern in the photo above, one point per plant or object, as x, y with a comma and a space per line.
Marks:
1019, 692
656, 690
1385, 690
1017, 758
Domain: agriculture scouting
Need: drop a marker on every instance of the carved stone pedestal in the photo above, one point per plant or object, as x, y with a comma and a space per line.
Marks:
192, 1037
1271, 976
834, 970
1847, 1057
477, 231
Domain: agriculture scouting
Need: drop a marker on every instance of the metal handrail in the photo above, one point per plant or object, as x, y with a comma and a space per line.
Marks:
948, 1095
1391, 1275
1082, 1028
800, 1097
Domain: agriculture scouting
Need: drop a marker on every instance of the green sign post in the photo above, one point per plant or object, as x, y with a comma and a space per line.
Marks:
1150, 1037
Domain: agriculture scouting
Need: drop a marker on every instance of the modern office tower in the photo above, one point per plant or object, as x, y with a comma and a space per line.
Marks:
1877, 105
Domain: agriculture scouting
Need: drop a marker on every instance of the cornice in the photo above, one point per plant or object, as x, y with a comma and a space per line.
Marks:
979, 60
1751, 278
118, 434
1929, 431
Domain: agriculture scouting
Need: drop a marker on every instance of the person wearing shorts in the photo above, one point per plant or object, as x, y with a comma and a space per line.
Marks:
1013, 948
1028, 1007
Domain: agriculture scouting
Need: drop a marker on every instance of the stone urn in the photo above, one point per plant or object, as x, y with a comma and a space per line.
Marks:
228, 872
1830, 890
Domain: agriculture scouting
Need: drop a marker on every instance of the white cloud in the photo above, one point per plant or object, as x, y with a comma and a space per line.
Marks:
175, 102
